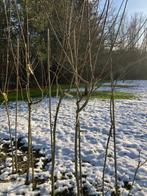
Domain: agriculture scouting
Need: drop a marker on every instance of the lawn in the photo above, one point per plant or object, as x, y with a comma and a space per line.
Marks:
36, 93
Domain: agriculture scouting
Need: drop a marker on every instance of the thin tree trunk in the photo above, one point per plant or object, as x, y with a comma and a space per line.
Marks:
28, 71
77, 129
10, 134
106, 152
114, 129
54, 147
16, 112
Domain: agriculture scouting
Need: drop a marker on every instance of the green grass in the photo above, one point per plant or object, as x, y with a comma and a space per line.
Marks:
35, 93
23, 96
118, 85
107, 95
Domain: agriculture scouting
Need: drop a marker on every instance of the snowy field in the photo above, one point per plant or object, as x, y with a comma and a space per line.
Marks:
131, 128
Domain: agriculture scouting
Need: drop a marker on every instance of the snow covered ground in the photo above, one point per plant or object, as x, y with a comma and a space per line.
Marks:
131, 127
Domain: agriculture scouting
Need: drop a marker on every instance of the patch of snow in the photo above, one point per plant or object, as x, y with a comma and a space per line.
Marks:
131, 132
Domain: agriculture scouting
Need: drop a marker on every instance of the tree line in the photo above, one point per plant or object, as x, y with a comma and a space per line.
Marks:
28, 21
